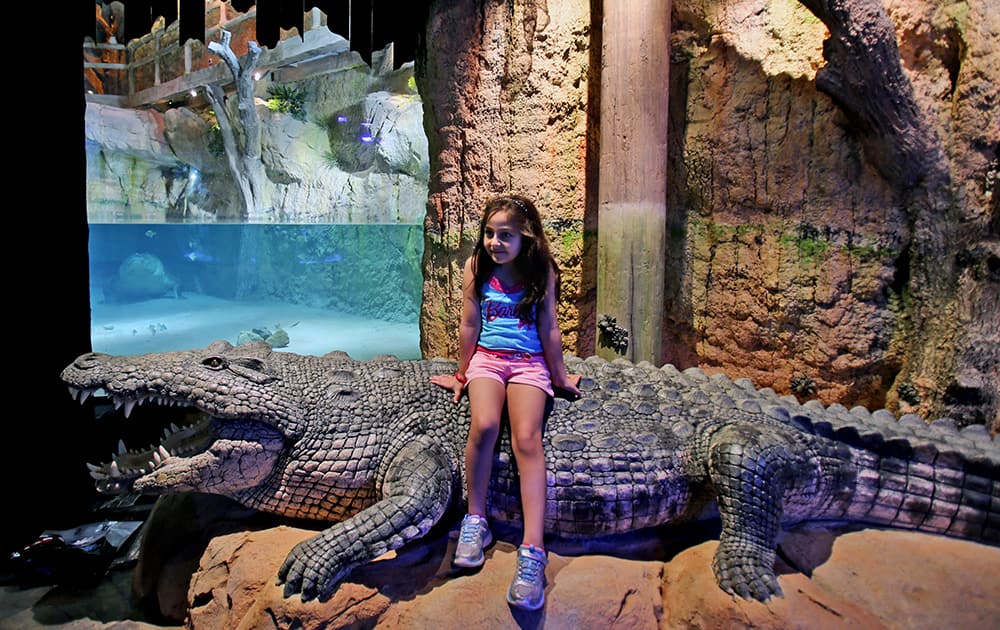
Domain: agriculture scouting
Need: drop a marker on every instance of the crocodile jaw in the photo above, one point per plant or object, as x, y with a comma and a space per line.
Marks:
228, 467
188, 459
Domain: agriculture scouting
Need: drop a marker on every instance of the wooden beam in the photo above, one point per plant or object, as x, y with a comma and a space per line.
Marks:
635, 63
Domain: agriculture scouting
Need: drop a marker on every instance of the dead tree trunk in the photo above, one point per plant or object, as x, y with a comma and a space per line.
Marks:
240, 137
864, 77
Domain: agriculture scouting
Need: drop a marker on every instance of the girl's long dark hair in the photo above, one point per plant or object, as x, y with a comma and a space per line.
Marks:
534, 259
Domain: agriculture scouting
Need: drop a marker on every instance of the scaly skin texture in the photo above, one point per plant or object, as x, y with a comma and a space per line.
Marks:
374, 448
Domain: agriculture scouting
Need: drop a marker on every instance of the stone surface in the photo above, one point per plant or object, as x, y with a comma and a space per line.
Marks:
864, 579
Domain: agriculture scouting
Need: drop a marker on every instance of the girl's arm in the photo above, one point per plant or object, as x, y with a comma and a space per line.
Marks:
468, 333
551, 337
468, 330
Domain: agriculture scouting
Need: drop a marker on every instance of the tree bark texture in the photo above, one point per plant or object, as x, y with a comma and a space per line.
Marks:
241, 140
864, 77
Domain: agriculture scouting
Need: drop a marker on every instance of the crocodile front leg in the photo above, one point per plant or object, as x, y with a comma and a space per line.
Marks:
415, 493
751, 468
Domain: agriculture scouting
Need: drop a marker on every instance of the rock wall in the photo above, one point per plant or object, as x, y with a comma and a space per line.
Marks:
507, 90
799, 262
795, 256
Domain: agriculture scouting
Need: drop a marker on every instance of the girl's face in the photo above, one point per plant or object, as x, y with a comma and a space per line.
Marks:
502, 238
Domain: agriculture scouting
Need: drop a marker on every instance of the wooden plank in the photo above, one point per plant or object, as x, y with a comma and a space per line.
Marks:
635, 62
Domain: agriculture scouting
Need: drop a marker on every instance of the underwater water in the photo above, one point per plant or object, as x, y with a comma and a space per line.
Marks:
308, 289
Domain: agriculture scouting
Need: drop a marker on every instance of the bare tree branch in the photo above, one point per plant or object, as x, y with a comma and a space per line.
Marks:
241, 138
864, 76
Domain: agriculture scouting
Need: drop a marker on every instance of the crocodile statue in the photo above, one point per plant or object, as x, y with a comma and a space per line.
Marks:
375, 450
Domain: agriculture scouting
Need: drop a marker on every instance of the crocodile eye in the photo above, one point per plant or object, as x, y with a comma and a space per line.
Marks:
214, 363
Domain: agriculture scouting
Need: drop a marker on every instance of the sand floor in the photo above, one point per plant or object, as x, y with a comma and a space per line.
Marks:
195, 321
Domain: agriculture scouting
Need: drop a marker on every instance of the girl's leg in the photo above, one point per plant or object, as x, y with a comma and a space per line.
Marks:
486, 398
526, 408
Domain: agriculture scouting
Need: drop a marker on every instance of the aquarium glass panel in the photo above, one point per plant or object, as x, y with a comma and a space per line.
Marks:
309, 289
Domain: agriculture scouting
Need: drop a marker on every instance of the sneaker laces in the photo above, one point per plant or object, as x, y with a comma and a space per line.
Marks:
471, 530
528, 568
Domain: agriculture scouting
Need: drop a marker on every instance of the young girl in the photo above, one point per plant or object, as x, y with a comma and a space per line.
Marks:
510, 351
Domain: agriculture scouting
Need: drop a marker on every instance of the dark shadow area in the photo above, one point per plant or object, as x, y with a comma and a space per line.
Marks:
45, 436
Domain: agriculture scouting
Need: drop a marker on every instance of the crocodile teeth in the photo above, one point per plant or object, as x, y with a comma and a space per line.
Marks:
97, 471
164, 453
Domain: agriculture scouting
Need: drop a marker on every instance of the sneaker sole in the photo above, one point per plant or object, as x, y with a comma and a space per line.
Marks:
525, 605
467, 563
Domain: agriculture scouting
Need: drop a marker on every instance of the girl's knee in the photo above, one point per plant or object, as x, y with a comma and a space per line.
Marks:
484, 429
527, 444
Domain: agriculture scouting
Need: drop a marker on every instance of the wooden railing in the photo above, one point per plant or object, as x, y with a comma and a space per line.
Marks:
135, 71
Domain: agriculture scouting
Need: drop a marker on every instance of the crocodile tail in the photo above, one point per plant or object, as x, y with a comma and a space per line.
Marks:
910, 474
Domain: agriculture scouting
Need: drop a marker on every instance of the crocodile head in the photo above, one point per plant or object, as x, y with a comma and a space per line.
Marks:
245, 422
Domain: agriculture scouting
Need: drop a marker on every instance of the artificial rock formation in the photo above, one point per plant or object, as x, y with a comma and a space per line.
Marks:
833, 230
831, 579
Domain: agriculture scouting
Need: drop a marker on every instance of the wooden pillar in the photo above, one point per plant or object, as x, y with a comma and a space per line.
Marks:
635, 61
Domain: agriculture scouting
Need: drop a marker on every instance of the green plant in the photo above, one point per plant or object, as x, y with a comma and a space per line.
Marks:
803, 385
908, 392
807, 242
287, 100
612, 334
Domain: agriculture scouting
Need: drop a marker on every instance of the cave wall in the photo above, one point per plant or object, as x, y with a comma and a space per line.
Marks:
792, 258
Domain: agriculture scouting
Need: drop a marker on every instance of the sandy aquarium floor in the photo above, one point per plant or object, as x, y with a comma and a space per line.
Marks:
195, 321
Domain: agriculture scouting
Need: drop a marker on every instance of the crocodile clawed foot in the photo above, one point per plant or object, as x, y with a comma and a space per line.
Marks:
741, 572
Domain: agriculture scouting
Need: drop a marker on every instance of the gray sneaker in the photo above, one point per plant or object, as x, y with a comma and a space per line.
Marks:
528, 588
472, 537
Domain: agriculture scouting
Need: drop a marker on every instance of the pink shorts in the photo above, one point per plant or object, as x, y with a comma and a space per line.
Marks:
504, 367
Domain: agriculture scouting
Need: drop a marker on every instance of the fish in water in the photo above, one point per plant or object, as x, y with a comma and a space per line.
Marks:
196, 255
150, 233
332, 258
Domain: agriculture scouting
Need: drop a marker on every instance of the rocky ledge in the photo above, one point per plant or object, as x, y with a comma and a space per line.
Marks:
831, 579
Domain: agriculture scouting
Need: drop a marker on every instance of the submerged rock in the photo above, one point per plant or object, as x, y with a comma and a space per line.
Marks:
142, 277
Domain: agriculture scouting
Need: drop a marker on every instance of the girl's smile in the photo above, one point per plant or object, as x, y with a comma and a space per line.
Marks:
502, 238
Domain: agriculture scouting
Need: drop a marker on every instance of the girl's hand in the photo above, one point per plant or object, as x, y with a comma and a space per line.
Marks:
569, 384
448, 381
